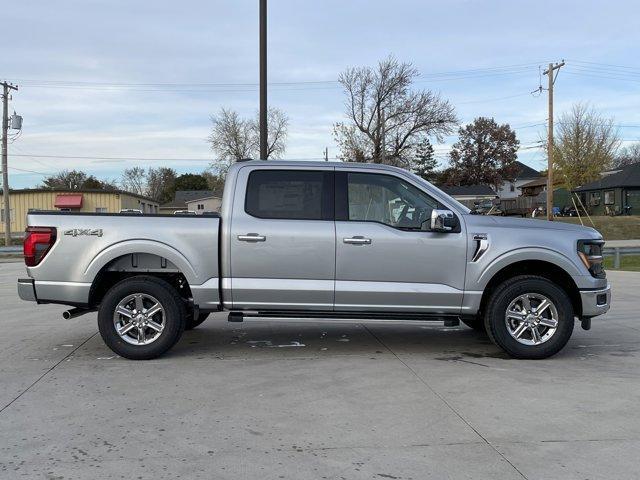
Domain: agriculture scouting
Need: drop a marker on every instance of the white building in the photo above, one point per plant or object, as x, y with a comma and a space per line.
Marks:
525, 175
207, 204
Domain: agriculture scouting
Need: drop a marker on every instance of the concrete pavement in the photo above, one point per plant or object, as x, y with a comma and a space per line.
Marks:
271, 400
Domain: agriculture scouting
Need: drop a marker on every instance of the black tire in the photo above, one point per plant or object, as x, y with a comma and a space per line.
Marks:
192, 322
505, 293
476, 323
174, 317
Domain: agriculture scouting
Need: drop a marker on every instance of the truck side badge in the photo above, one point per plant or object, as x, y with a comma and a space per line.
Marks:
76, 232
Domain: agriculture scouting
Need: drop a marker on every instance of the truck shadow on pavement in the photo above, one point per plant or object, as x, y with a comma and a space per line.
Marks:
300, 339
257, 340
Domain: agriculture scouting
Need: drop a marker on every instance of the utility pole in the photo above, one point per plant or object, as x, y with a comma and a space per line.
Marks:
383, 155
5, 169
263, 79
549, 73
326, 154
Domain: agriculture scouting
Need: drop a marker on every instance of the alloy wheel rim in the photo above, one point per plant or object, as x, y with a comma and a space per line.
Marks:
531, 319
139, 319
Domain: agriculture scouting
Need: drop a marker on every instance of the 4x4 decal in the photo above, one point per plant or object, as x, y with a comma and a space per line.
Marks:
77, 232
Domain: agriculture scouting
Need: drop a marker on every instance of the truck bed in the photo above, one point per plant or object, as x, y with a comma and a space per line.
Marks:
91, 244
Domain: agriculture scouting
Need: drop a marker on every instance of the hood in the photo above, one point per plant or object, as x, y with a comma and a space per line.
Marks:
522, 223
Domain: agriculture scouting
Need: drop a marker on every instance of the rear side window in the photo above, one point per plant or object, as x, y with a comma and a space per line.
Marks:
290, 194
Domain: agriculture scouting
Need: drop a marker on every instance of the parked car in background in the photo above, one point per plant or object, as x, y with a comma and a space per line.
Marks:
330, 240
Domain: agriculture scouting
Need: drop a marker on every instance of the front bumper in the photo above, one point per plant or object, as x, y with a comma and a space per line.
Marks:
595, 302
26, 289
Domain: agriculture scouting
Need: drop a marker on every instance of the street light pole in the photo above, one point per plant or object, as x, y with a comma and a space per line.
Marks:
263, 79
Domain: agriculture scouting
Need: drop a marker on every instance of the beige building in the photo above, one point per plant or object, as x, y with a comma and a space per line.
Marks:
205, 204
182, 198
100, 201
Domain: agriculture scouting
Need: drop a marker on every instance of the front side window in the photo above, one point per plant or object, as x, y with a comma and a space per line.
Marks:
595, 198
290, 194
387, 199
101, 209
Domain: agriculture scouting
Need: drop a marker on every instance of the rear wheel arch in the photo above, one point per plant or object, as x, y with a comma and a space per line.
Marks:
134, 265
153, 248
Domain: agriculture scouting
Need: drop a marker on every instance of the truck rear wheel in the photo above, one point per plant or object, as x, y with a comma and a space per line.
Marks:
141, 317
529, 317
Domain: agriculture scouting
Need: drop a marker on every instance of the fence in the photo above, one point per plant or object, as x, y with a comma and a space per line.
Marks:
617, 252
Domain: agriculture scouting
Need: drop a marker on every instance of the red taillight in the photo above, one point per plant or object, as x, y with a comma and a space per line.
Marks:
37, 243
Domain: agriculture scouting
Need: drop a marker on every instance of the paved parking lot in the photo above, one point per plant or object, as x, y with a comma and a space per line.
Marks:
316, 401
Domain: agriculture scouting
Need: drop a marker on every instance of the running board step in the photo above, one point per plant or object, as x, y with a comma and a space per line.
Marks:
449, 320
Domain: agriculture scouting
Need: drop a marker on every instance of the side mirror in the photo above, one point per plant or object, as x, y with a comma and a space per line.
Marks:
442, 221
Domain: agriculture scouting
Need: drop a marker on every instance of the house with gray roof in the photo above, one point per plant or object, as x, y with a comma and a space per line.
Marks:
182, 197
613, 194
525, 175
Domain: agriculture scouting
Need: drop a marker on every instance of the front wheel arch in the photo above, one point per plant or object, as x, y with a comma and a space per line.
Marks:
540, 268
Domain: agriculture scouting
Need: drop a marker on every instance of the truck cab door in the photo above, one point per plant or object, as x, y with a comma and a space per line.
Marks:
282, 239
386, 257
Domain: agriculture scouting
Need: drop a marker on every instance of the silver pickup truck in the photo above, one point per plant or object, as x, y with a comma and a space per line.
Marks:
319, 240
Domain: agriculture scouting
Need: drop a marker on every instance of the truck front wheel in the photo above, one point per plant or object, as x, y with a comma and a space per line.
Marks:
529, 317
141, 317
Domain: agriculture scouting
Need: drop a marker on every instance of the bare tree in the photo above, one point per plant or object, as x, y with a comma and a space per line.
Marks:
277, 125
76, 180
232, 138
627, 155
161, 183
235, 138
586, 145
382, 108
134, 180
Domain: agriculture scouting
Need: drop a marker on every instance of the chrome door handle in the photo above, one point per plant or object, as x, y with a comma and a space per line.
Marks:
357, 240
252, 237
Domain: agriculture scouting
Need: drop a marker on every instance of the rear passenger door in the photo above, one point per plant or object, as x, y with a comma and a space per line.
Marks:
282, 243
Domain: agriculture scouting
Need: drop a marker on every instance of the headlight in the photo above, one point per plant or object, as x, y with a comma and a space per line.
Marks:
590, 252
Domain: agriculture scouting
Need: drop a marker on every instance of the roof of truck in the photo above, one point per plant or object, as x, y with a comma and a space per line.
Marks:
307, 163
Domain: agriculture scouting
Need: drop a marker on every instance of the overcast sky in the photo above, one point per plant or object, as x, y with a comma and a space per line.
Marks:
140, 79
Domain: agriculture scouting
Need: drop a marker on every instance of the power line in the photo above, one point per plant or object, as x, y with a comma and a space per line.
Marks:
172, 86
84, 157
29, 171
606, 77
607, 65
